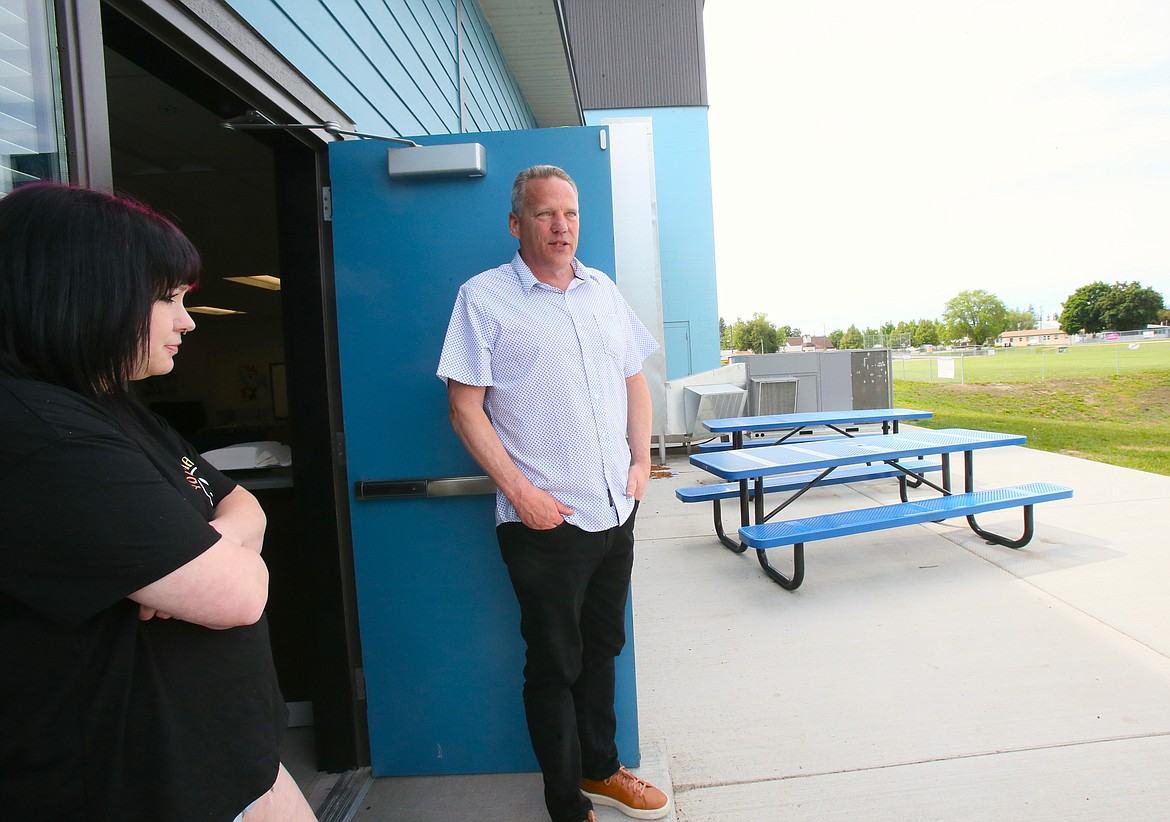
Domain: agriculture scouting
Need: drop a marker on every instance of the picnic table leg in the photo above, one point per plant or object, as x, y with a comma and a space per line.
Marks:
992, 537
996, 539
745, 517
908, 479
735, 545
792, 583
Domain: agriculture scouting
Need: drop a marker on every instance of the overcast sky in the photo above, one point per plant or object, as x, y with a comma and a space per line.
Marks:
871, 160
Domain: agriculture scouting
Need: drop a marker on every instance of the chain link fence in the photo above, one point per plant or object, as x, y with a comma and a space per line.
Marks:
1036, 363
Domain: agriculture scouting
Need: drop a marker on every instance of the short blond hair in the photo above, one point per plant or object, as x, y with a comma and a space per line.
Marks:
541, 172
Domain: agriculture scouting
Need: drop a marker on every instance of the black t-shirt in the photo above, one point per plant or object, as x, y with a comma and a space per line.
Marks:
104, 717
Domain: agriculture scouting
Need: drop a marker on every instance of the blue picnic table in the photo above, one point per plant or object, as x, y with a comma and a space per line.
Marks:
800, 426
895, 453
803, 422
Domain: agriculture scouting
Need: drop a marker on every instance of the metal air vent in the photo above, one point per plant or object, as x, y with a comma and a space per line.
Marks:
711, 402
775, 396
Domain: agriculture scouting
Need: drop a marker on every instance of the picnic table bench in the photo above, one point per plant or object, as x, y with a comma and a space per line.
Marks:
796, 532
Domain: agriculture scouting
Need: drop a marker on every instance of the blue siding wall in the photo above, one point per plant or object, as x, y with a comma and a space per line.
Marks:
391, 65
686, 230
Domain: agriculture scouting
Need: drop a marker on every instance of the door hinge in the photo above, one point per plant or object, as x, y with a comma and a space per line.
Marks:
339, 447
327, 203
359, 684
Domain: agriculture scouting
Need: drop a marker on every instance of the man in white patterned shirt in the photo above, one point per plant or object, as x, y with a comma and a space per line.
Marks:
543, 365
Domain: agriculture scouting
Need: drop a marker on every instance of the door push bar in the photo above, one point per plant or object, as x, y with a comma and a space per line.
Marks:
435, 487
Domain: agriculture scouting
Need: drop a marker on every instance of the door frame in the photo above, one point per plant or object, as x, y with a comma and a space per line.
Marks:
216, 46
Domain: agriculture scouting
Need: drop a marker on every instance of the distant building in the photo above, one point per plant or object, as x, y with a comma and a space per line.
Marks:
1033, 336
809, 342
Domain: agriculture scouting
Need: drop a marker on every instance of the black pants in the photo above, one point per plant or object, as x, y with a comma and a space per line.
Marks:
572, 587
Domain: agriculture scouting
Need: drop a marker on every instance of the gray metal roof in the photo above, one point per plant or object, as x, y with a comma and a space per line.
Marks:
638, 53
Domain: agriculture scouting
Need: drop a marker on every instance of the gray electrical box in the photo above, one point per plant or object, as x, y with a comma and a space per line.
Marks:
819, 380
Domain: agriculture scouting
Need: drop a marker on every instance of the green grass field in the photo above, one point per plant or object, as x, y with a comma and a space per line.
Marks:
1095, 402
1030, 364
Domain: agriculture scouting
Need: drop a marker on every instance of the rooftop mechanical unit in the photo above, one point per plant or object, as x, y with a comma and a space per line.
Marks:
711, 402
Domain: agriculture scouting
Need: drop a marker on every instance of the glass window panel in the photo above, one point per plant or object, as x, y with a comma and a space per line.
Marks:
31, 128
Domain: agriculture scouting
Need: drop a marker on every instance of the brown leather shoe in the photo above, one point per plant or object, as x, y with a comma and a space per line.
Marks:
632, 796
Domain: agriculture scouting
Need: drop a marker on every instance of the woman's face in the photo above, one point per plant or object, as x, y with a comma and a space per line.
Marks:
169, 321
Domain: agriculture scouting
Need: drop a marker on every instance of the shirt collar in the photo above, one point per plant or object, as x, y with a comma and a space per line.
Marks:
528, 280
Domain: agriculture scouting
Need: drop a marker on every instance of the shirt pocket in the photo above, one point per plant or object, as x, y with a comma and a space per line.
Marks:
610, 336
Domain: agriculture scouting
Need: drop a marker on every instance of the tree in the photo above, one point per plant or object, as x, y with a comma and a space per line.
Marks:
900, 335
852, 338
784, 332
1083, 309
926, 332
1018, 320
887, 328
835, 337
1128, 306
724, 335
756, 334
976, 315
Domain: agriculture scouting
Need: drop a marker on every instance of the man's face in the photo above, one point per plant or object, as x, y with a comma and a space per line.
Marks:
547, 227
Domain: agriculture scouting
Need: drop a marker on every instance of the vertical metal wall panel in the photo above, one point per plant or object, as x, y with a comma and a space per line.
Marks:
637, 53
392, 65
686, 234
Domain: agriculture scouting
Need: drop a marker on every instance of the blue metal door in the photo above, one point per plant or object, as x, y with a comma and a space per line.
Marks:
439, 624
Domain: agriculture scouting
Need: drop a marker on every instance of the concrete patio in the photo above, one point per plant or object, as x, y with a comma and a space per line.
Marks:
918, 674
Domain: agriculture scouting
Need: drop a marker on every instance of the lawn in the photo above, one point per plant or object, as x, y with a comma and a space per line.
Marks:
1029, 364
1122, 419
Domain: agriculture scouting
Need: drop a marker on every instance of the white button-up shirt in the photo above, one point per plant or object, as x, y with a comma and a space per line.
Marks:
555, 365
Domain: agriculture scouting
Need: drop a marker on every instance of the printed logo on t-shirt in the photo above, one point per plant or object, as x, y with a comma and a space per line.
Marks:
190, 469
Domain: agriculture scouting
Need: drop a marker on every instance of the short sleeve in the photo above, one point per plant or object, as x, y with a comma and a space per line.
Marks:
467, 350
640, 343
88, 521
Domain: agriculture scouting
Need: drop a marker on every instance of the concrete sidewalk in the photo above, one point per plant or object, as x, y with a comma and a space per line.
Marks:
918, 674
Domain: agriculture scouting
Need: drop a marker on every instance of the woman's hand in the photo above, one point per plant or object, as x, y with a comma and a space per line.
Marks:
145, 613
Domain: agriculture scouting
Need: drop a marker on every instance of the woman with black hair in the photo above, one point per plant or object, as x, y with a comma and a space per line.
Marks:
136, 676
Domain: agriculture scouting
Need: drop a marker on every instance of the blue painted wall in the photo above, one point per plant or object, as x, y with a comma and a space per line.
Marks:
686, 233
391, 64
